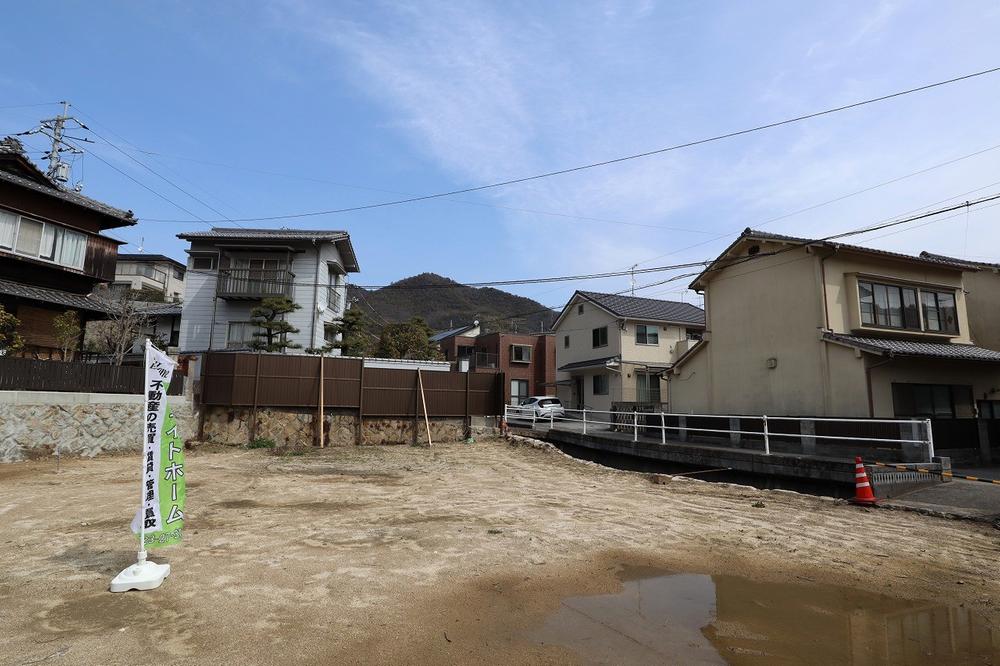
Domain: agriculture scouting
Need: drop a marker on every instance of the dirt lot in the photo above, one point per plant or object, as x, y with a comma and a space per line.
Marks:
405, 555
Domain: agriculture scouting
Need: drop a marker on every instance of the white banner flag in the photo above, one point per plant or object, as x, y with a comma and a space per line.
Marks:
160, 517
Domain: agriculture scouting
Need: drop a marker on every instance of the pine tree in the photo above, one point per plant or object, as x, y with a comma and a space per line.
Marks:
269, 317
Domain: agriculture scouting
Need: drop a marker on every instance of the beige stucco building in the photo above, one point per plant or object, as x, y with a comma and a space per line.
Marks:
613, 349
151, 274
981, 281
815, 328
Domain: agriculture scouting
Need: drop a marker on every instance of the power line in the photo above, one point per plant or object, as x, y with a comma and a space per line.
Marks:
135, 180
26, 106
617, 160
492, 283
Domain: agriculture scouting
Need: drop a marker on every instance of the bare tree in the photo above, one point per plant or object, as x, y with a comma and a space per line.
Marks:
117, 335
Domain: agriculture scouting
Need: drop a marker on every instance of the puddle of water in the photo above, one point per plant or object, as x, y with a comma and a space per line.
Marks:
696, 619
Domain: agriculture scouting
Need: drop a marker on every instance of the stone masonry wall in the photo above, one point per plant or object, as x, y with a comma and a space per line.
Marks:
294, 428
35, 424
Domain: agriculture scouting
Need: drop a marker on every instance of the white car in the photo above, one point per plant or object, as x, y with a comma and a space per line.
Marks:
541, 407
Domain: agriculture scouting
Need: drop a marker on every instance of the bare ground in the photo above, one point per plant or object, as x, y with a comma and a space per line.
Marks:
404, 555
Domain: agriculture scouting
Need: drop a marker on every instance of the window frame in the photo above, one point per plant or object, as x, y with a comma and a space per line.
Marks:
516, 397
596, 335
605, 380
243, 342
646, 330
50, 233
213, 259
525, 349
565, 342
912, 304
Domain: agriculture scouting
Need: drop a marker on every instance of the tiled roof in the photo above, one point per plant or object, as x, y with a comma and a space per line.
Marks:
634, 307
962, 262
161, 309
889, 347
343, 238
125, 216
54, 296
265, 234
149, 258
754, 234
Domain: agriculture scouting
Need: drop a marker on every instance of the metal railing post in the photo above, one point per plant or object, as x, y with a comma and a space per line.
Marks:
635, 425
663, 429
552, 418
767, 439
533, 416
584, 420
930, 440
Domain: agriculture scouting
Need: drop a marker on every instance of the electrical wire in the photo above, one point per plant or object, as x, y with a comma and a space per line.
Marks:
617, 160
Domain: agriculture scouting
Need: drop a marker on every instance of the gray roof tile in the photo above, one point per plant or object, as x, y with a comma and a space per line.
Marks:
70, 196
891, 347
265, 234
54, 296
635, 307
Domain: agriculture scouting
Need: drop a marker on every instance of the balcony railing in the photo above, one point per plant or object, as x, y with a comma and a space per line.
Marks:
253, 283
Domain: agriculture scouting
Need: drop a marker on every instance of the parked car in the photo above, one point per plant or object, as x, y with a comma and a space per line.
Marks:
541, 407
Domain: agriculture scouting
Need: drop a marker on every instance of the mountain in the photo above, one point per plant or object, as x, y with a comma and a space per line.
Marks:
444, 303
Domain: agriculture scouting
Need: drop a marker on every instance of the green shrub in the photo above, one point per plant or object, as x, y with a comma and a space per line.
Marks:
261, 443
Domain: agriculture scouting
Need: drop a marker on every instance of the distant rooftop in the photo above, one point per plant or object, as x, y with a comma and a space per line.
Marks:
637, 307
891, 347
144, 257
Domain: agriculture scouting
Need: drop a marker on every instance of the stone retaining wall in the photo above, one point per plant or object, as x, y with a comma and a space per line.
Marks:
289, 427
34, 424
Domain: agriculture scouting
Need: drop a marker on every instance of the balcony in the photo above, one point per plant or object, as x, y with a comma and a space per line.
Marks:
246, 284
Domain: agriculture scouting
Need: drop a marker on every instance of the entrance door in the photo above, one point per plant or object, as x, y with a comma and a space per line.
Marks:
578, 393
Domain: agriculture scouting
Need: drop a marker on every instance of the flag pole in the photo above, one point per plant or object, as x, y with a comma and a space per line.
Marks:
142, 447
143, 575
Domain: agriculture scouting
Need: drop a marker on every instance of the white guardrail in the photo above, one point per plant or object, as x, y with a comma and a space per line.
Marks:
589, 418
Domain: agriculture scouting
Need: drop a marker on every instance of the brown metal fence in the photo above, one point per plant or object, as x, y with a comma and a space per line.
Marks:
272, 380
26, 374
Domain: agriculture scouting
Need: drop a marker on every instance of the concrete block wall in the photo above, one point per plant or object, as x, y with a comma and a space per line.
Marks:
36, 424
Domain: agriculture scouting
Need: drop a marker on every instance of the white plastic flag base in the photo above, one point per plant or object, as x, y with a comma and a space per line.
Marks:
143, 575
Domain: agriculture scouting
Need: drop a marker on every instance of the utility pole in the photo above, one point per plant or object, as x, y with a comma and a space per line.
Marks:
54, 129
631, 279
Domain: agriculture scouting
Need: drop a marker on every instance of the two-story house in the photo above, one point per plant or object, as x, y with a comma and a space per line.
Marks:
52, 251
230, 270
613, 350
806, 327
157, 275
981, 283
527, 361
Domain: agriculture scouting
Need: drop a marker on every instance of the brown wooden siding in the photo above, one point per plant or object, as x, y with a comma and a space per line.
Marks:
102, 255
271, 380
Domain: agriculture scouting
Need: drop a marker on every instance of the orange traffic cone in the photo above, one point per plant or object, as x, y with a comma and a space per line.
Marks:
862, 488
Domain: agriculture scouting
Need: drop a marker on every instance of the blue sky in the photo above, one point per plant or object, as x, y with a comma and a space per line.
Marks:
316, 105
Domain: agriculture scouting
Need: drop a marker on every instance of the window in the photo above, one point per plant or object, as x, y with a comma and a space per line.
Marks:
518, 390
930, 400
8, 227
894, 306
520, 354
29, 237
42, 240
989, 409
579, 309
178, 273
692, 334
647, 387
205, 262
600, 336
940, 313
601, 384
646, 334
465, 351
240, 334
566, 342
